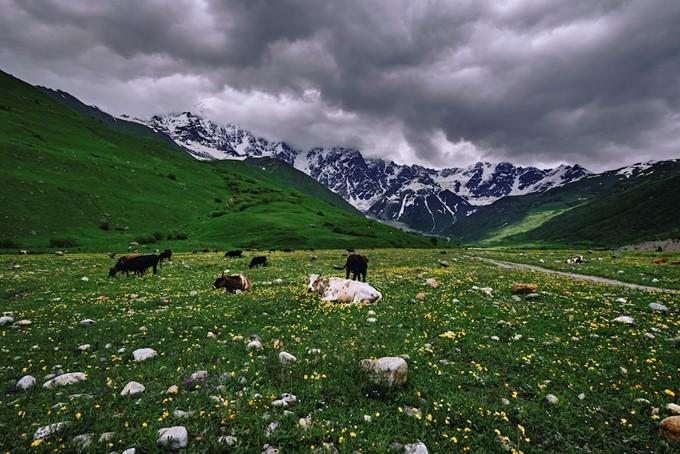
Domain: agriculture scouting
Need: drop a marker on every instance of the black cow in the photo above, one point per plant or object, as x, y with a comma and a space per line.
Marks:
357, 265
166, 254
257, 261
137, 264
235, 253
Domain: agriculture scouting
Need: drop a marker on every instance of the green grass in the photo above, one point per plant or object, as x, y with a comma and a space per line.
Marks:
568, 346
70, 179
637, 267
531, 221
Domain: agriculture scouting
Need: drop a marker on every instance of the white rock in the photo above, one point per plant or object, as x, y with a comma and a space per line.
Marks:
131, 388
142, 354
254, 345
85, 279
24, 322
26, 382
211, 335
305, 423
313, 351
87, 322
45, 432
625, 319
285, 400
65, 379
286, 358
271, 428
655, 280
129, 451
552, 398
174, 389
505, 401
415, 448
640, 400
581, 396
367, 418
658, 307
388, 371
6, 320
84, 347
175, 437
83, 441
673, 408
106, 436
495, 338
371, 313
621, 300
180, 414
432, 283
371, 320
228, 440
650, 336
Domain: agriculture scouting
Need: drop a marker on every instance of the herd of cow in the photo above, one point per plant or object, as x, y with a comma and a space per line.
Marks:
329, 289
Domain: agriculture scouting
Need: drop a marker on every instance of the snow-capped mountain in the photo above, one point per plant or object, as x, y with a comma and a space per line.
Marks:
423, 199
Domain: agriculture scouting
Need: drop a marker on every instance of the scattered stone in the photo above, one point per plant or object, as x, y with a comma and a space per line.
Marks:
24, 322
285, 400
271, 428
305, 423
131, 388
551, 398
269, 449
371, 320
27, 382
84, 347
85, 279
106, 437
46, 432
254, 344
505, 401
142, 354
413, 412
314, 351
670, 428
420, 296
415, 448
650, 336
367, 418
174, 389
83, 441
432, 283
6, 320
673, 408
388, 371
211, 335
533, 296
640, 400
523, 289
65, 379
196, 378
443, 263
87, 322
581, 396
175, 437
228, 440
625, 319
129, 451
181, 414
286, 358
658, 307
495, 338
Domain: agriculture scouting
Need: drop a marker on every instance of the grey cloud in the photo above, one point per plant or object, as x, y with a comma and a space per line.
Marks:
434, 82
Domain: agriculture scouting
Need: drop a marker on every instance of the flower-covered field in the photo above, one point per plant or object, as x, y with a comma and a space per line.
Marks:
487, 371
634, 267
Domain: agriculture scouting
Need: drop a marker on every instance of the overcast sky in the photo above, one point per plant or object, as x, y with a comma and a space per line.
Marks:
439, 83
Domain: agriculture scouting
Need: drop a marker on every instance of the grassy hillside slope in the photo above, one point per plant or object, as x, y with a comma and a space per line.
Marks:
69, 180
606, 209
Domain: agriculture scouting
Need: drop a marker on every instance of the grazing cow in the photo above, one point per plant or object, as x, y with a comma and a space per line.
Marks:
660, 261
138, 265
342, 290
166, 254
357, 265
119, 264
233, 283
257, 261
234, 253
576, 260
287, 250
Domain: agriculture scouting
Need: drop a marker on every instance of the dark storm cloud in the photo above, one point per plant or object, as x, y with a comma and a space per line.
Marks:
439, 83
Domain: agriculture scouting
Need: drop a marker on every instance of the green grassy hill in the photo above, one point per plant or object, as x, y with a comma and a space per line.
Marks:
71, 181
606, 209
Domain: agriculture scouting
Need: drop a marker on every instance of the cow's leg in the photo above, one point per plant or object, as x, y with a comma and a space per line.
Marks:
347, 273
155, 271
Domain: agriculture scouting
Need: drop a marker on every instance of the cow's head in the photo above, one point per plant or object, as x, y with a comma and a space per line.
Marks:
220, 282
112, 271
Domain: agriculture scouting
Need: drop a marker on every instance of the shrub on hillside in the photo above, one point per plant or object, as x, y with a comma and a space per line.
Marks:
178, 236
145, 239
8, 244
158, 235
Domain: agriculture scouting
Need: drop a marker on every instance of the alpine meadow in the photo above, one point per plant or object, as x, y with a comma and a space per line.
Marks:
339, 227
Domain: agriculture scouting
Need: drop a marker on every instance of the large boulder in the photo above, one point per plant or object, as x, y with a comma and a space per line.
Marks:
175, 437
65, 379
670, 428
142, 354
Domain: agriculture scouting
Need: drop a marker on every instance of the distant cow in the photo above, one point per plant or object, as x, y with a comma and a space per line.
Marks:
357, 265
121, 260
138, 265
576, 260
236, 253
165, 255
660, 261
257, 261
233, 283
342, 290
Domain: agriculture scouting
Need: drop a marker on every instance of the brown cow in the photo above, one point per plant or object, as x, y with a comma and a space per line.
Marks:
237, 282
660, 261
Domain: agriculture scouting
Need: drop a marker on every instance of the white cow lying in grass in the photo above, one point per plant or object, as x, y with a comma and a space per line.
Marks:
342, 290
